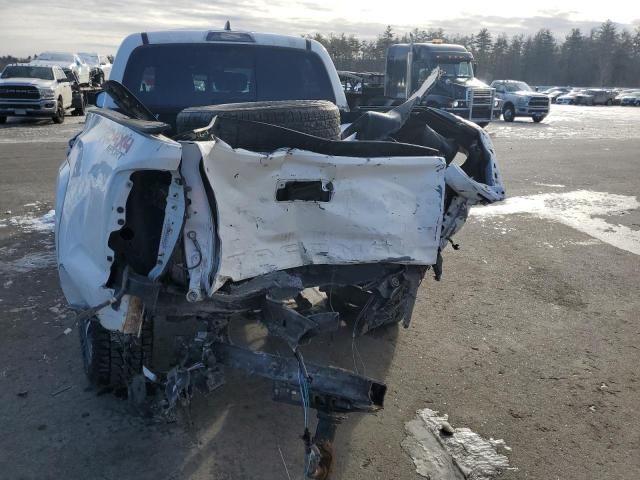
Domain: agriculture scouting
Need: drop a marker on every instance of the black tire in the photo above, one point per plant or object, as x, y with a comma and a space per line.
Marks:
58, 117
509, 113
538, 118
366, 310
609, 102
314, 117
98, 79
82, 109
111, 359
3, 120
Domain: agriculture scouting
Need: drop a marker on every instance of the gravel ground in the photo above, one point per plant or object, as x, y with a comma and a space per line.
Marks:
532, 335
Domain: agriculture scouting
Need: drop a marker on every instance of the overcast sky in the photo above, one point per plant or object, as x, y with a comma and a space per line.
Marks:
32, 26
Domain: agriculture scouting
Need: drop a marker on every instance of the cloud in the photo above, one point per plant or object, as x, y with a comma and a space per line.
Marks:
100, 25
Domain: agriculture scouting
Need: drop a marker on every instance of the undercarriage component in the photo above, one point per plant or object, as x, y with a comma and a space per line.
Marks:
285, 322
343, 390
319, 451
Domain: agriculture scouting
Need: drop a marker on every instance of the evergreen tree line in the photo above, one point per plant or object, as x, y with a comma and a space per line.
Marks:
8, 59
606, 56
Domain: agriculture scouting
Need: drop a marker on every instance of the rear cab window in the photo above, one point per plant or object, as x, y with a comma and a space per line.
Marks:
170, 77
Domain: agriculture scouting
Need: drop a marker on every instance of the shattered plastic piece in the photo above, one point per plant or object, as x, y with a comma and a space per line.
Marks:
459, 456
67, 331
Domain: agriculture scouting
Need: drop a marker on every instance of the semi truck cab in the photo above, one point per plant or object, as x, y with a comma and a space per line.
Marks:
457, 91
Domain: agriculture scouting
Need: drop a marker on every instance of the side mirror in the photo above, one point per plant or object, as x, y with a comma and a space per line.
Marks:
101, 99
63, 80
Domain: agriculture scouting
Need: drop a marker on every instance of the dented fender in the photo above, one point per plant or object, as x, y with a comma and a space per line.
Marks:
93, 187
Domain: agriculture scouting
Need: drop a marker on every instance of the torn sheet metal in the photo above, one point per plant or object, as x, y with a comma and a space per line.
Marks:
442, 452
93, 205
380, 210
198, 235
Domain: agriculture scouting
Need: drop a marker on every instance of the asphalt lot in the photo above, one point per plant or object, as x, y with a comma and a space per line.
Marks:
532, 336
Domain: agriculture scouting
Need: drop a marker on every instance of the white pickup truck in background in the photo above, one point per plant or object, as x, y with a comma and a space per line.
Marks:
67, 60
34, 90
520, 100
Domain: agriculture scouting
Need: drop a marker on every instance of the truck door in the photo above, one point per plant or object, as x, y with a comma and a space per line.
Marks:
64, 87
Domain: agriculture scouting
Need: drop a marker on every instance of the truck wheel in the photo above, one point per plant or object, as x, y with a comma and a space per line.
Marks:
538, 118
508, 113
314, 117
82, 109
58, 117
112, 358
609, 102
3, 120
366, 310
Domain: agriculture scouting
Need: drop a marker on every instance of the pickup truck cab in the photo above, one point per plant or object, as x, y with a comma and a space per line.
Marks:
217, 183
34, 90
223, 67
67, 60
520, 100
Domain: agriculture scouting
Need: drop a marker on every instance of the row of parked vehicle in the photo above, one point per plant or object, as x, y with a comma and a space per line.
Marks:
593, 96
53, 84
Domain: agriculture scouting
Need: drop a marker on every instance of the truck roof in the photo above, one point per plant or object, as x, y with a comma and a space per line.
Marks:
222, 36
33, 63
439, 47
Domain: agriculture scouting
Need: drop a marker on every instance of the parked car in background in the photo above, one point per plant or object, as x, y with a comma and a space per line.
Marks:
67, 60
555, 92
595, 96
34, 91
569, 98
624, 93
99, 64
520, 100
631, 98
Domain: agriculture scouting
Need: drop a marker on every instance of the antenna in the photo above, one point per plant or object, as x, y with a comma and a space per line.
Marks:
227, 25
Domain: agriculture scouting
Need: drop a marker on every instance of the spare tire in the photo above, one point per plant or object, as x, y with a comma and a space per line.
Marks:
314, 117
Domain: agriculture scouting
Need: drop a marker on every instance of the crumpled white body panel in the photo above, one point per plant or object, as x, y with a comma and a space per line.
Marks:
93, 184
381, 210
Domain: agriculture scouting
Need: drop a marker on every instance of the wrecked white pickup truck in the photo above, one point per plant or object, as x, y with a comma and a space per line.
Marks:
225, 178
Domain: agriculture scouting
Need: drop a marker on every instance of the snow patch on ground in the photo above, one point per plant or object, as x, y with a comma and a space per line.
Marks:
550, 185
459, 455
30, 223
580, 209
29, 262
